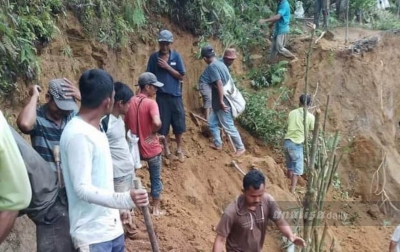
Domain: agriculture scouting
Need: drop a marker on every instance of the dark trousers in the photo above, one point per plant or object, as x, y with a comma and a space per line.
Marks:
53, 234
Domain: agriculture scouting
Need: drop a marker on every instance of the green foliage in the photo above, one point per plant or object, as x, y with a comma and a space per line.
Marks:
24, 25
111, 22
268, 75
385, 20
263, 122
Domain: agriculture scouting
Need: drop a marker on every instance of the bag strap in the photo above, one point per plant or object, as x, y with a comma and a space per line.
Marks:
138, 129
104, 123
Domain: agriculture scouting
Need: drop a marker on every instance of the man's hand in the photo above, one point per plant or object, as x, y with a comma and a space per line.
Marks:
71, 90
125, 217
163, 64
35, 90
139, 197
271, 25
151, 138
262, 21
310, 25
224, 107
298, 241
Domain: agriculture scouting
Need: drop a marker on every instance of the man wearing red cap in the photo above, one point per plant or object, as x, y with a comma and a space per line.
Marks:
229, 57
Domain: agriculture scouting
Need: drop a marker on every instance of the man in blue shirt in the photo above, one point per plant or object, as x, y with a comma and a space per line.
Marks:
167, 66
216, 75
281, 21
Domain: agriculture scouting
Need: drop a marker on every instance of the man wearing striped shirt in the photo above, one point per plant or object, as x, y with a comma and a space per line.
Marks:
45, 124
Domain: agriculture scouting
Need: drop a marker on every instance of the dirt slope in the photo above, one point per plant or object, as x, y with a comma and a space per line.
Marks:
197, 191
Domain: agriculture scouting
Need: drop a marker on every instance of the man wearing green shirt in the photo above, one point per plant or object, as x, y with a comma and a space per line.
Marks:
294, 139
15, 190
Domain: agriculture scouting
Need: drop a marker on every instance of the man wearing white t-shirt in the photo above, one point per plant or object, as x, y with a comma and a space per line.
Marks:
123, 165
88, 171
395, 241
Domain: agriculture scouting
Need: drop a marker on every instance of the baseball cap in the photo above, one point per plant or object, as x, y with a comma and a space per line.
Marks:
230, 53
62, 101
207, 51
150, 79
165, 36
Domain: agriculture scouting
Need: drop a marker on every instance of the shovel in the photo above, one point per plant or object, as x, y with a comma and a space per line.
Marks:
56, 154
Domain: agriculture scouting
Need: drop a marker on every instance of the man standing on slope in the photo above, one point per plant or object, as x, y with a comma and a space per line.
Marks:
281, 21
123, 166
88, 171
15, 190
143, 120
45, 124
167, 66
217, 76
294, 139
243, 225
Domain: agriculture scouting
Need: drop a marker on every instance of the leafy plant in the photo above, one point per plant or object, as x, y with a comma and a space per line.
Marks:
261, 121
268, 76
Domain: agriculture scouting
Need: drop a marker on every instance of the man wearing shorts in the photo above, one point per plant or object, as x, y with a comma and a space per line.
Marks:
167, 66
294, 139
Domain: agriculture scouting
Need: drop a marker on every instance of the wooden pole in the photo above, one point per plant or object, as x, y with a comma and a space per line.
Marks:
147, 218
56, 154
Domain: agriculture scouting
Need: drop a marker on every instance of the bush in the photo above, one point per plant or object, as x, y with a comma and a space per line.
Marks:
268, 76
265, 123
24, 25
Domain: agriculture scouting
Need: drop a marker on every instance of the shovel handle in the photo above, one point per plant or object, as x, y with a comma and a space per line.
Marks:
147, 219
56, 153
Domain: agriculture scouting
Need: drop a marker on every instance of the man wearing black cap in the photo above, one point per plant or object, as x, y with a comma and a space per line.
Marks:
217, 75
45, 124
143, 120
167, 66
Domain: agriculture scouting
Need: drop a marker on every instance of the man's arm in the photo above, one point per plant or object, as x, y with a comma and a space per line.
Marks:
27, 117
7, 219
163, 64
287, 232
15, 189
392, 246
80, 170
219, 243
156, 123
220, 88
272, 19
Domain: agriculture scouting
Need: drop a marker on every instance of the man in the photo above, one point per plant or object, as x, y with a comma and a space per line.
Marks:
88, 171
217, 76
15, 190
143, 120
123, 166
294, 139
281, 21
229, 57
167, 66
395, 241
243, 226
45, 124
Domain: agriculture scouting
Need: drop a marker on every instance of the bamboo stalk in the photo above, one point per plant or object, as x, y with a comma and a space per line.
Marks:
326, 114
314, 140
321, 243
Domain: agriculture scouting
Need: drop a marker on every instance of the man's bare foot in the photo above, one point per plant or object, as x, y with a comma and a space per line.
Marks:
171, 157
239, 152
213, 146
181, 157
157, 212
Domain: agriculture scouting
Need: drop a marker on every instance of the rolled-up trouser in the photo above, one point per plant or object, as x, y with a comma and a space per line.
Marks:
278, 46
155, 166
